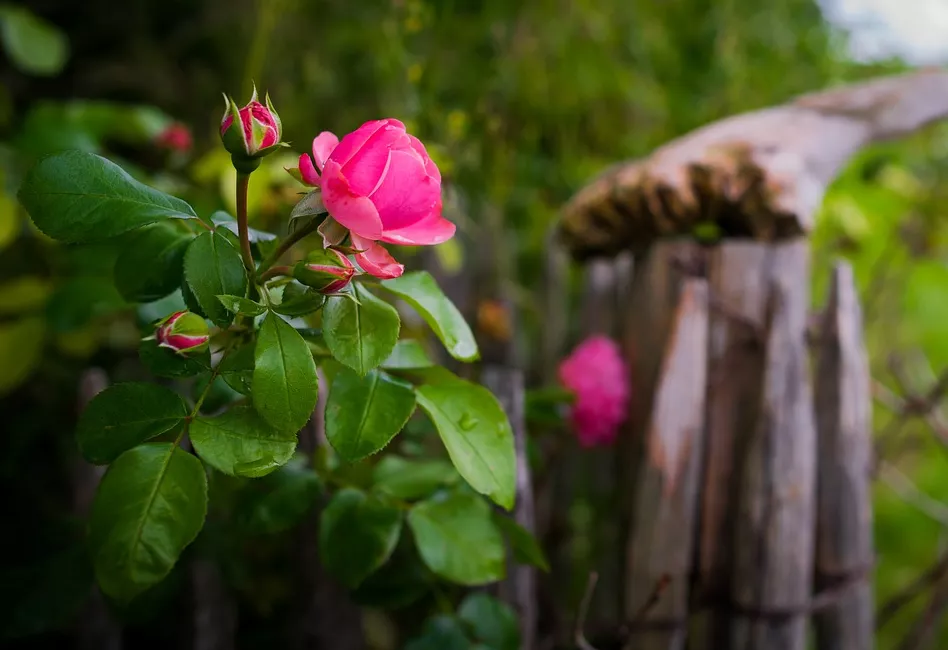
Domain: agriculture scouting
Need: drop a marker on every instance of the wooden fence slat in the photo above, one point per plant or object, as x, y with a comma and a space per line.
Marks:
737, 278
844, 414
661, 546
774, 540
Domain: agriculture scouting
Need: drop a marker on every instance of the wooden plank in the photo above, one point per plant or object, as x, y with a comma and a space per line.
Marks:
737, 277
844, 424
774, 538
660, 549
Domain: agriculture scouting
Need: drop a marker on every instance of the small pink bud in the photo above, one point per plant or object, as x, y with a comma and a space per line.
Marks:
326, 270
250, 132
176, 137
184, 332
598, 376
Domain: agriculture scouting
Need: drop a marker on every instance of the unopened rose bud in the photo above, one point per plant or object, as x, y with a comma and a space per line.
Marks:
326, 270
184, 332
251, 132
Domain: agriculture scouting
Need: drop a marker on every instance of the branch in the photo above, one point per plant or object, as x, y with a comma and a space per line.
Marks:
760, 174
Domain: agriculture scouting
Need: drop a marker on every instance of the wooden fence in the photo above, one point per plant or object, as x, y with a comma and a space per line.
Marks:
749, 509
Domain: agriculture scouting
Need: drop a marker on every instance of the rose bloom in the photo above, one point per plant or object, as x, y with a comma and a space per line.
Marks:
379, 183
176, 137
598, 376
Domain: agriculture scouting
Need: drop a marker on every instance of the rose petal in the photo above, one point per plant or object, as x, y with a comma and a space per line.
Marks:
430, 167
367, 168
376, 260
429, 231
357, 213
308, 171
323, 145
407, 194
351, 143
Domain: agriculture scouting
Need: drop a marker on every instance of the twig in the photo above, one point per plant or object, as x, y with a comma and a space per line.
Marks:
892, 606
579, 637
912, 495
921, 631
653, 598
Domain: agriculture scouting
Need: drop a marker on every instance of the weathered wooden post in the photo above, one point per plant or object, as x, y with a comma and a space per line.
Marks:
725, 489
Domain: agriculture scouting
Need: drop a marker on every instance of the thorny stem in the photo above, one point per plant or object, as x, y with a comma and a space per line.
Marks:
285, 245
243, 183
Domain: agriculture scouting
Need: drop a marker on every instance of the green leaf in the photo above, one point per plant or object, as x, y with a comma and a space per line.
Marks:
240, 443
34, 46
457, 539
21, 350
357, 534
298, 300
407, 355
212, 267
237, 369
360, 336
493, 622
150, 505
285, 385
412, 479
75, 196
125, 415
363, 414
526, 549
150, 264
401, 581
422, 292
163, 362
477, 435
225, 219
239, 305
441, 633
78, 301
280, 500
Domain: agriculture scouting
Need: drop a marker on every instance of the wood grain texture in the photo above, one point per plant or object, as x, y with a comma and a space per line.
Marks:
774, 537
760, 174
660, 549
737, 277
844, 424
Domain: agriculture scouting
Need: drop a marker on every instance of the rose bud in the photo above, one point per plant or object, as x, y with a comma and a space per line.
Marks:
184, 332
326, 270
378, 183
251, 132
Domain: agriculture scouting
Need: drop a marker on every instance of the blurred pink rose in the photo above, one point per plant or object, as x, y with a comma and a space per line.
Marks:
176, 137
598, 376
380, 184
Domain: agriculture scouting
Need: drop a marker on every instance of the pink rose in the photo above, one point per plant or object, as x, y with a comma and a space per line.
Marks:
380, 184
598, 376
176, 137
